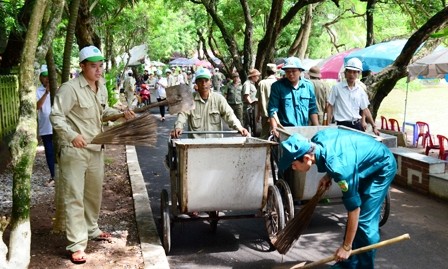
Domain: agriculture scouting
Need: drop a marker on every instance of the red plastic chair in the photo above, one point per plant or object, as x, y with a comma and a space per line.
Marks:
423, 132
384, 124
430, 145
393, 124
443, 143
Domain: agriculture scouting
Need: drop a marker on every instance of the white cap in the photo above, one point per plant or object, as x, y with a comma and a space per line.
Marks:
203, 73
91, 54
43, 70
354, 64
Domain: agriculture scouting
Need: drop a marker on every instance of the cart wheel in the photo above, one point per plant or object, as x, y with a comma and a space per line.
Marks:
275, 214
166, 222
385, 210
286, 195
213, 221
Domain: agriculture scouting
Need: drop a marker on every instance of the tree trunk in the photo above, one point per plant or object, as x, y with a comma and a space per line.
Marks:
23, 149
85, 35
11, 55
227, 36
69, 38
370, 40
248, 37
300, 44
51, 26
276, 24
266, 46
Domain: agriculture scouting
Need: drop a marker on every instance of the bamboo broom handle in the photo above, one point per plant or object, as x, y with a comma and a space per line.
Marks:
137, 110
356, 251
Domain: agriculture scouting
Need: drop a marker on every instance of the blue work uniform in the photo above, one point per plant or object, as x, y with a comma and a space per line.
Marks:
293, 106
364, 169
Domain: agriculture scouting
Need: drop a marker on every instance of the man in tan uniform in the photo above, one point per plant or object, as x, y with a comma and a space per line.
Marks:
129, 88
263, 99
210, 109
321, 90
76, 116
249, 93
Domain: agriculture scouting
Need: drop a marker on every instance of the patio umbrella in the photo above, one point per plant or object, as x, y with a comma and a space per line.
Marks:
332, 66
157, 63
376, 57
203, 63
433, 65
181, 62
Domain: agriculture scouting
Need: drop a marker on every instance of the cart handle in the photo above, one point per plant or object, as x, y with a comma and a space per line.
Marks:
210, 132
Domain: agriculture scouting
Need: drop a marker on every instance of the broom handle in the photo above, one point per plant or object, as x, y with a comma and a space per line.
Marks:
357, 251
137, 110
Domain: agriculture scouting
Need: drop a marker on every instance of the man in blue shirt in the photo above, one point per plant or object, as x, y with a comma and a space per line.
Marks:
363, 168
292, 101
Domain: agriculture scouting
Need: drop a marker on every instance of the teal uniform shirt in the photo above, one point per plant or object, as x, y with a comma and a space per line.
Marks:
364, 169
293, 106
352, 160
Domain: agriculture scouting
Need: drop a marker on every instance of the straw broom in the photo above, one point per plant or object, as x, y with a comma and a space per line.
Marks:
295, 227
355, 251
141, 131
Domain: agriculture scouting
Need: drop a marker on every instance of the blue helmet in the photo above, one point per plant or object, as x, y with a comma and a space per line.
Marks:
293, 62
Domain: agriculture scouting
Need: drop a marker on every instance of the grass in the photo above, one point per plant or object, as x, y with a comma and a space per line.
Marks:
426, 101
108, 161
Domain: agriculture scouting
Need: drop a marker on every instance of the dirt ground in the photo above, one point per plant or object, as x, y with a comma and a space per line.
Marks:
117, 217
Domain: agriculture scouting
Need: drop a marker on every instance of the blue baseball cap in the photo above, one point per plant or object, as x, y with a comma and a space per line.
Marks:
203, 73
293, 62
293, 148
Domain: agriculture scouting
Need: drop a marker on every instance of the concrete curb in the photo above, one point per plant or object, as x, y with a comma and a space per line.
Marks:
152, 250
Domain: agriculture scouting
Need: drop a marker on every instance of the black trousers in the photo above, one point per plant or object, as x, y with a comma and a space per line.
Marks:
352, 124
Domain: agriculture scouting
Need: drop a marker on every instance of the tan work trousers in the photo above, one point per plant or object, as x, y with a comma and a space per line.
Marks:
82, 174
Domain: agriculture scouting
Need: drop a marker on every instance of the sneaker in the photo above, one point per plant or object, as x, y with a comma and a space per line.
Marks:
50, 182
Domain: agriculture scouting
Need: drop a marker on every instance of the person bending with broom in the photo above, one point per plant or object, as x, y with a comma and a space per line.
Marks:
363, 168
76, 116
209, 108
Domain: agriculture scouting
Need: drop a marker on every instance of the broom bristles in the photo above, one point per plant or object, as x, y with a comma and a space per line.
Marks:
295, 227
141, 131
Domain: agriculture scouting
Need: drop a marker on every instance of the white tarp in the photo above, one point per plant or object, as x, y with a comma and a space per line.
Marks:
138, 56
434, 65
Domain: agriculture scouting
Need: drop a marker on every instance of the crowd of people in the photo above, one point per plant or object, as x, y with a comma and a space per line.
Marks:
286, 97
363, 173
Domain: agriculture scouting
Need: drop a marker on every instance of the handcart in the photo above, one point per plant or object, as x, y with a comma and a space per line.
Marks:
215, 175
302, 186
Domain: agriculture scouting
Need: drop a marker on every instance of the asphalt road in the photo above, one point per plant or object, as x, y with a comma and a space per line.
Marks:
242, 243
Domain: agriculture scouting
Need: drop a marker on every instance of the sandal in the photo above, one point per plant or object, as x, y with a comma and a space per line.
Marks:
78, 257
103, 236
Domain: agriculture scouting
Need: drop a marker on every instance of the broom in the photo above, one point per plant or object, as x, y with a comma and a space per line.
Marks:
295, 227
141, 131
355, 251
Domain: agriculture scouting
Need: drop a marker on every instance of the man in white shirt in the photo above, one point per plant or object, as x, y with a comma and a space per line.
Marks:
348, 97
43, 119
